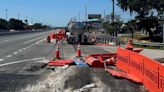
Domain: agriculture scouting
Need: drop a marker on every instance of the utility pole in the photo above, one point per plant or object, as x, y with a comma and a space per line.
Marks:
163, 25
113, 18
31, 20
79, 17
85, 12
86, 17
163, 32
104, 15
18, 16
6, 11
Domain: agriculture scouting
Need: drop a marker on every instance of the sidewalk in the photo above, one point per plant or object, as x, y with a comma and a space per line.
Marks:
151, 53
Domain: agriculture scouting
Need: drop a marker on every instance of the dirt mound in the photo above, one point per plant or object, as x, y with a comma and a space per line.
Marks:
75, 79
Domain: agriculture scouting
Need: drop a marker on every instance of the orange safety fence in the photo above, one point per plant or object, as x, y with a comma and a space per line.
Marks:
149, 71
123, 59
161, 78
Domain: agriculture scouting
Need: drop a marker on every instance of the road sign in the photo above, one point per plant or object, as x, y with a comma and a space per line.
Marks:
94, 16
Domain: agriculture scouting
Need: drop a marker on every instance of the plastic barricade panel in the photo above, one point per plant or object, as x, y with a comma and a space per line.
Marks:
143, 68
161, 78
151, 74
123, 59
136, 65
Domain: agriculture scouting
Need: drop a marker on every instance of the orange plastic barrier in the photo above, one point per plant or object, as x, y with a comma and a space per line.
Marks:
60, 36
60, 62
97, 60
161, 78
123, 59
136, 65
93, 61
149, 71
52, 35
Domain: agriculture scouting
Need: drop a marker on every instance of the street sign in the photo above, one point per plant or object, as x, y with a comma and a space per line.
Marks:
94, 16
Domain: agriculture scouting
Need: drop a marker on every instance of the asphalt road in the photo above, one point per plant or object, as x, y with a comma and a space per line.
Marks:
21, 59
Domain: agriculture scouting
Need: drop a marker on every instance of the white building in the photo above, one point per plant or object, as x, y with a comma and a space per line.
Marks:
108, 18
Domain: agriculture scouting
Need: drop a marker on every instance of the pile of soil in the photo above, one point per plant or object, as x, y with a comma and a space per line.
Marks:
72, 78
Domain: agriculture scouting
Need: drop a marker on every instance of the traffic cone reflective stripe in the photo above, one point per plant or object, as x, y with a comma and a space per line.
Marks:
78, 51
57, 52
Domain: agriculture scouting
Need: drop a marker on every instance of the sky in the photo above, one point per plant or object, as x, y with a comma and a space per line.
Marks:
57, 12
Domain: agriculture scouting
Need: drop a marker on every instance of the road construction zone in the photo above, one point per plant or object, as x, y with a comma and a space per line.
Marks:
125, 63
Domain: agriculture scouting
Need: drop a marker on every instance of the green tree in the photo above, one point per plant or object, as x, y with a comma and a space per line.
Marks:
37, 26
144, 10
3, 24
16, 24
131, 26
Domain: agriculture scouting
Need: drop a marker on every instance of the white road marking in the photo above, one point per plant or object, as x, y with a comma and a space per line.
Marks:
32, 40
24, 48
39, 41
6, 40
21, 61
9, 56
20, 50
15, 52
1, 59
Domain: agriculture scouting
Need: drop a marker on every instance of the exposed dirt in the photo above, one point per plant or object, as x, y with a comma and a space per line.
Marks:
74, 78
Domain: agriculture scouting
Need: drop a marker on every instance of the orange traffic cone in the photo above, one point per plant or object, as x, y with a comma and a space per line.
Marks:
78, 51
48, 39
57, 53
112, 61
129, 46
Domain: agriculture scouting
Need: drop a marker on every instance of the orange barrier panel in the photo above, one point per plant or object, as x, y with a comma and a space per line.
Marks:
93, 62
123, 59
151, 70
136, 65
161, 78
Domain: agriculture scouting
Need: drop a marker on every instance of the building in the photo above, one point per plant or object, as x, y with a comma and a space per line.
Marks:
108, 18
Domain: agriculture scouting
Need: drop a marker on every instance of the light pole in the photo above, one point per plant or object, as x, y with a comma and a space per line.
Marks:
113, 18
79, 17
163, 26
6, 11
163, 32
18, 16
86, 17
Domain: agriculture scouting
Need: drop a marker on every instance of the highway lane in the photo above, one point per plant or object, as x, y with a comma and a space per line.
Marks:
13, 44
21, 60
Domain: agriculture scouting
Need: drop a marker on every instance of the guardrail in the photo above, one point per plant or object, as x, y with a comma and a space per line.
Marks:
110, 39
106, 39
20, 32
161, 45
